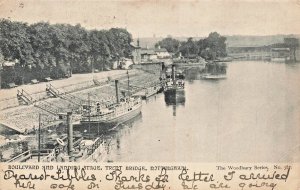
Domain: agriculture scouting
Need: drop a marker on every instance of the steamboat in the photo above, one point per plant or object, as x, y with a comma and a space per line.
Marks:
111, 114
174, 85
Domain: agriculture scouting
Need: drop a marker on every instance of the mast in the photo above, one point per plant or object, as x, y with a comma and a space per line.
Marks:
70, 135
117, 91
39, 132
89, 114
128, 83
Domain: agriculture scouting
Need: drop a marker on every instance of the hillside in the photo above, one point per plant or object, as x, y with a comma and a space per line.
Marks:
232, 41
240, 41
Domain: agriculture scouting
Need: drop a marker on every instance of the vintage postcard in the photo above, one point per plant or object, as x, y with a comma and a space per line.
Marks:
136, 94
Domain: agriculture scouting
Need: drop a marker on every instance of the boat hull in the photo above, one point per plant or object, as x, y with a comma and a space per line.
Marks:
116, 120
174, 96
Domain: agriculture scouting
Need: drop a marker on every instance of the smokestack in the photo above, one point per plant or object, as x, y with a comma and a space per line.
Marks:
173, 74
70, 134
117, 91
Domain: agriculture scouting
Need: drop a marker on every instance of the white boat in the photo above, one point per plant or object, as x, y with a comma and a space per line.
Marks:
124, 109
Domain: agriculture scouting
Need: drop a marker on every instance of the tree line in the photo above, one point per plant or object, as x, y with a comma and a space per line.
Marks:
210, 48
44, 50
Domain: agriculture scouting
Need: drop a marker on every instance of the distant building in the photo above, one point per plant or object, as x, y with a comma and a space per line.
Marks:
122, 63
280, 54
146, 55
250, 52
8, 63
136, 53
162, 53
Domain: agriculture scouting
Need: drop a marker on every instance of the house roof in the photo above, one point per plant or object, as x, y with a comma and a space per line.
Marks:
48, 79
12, 85
34, 81
148, 51
161, 50
134, 46
8, 64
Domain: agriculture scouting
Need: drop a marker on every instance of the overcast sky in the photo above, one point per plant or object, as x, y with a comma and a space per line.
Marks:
162, 18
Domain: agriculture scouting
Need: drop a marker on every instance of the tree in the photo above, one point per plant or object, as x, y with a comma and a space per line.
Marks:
293, 44
15, 44
44, 50
42, 46
79, 48
216, 43
189, 48
99, 48
170, 44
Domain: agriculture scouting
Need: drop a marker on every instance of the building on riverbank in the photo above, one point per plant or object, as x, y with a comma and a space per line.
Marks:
287, 50
162, 53
250, 52
280, 54
146, 55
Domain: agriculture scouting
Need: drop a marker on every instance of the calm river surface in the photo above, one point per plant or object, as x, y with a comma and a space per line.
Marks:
252, 116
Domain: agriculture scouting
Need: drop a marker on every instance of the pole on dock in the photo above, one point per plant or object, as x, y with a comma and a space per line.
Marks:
39, 137
70, 135
89, 110
117, 91
0, 75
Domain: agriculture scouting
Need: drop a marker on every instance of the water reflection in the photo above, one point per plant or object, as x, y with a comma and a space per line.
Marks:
193, 74
117, 134
175, 99
250, 117
253, 116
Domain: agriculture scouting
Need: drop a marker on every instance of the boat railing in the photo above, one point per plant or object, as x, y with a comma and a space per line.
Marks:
20, 157
50, 154
23, 157
93, 149
50, 157
99, 149
95, 145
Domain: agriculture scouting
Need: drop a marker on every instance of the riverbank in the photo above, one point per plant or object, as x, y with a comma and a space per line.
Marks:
8, 97
25, 117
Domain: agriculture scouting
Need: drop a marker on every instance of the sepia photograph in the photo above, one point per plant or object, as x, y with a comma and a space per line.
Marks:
149, 81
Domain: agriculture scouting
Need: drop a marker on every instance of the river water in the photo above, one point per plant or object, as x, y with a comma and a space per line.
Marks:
252, 116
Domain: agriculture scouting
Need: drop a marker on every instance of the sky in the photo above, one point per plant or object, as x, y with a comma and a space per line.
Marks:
160, 18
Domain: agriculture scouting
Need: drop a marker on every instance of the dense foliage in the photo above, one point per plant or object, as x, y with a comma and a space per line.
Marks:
293, 44
210, 48
171, 45
44, 50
